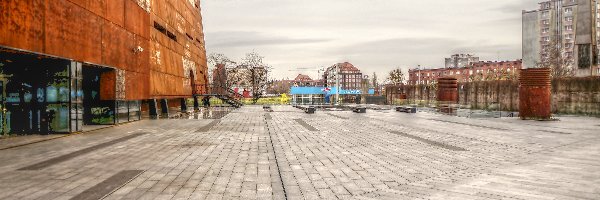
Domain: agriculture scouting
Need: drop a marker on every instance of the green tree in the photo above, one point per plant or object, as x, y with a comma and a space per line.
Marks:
396, 76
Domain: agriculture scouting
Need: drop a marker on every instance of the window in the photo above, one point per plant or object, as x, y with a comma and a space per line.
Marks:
568, 36
568, 10
546, 39
569, 19
569, 45
546, 5
545, 30
545, 22
569, 27
569, 54
545, 14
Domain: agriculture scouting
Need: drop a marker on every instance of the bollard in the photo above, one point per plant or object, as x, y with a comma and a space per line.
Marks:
360, 110
406, 109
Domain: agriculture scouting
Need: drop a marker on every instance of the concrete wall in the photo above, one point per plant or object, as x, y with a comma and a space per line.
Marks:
531, 39
576, 96
580, 95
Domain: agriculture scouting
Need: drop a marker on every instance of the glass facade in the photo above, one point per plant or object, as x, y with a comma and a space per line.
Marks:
128, 111
42, 94
76, 97
35, 93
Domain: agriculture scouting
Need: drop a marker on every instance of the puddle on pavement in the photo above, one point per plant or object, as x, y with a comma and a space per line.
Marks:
205, 113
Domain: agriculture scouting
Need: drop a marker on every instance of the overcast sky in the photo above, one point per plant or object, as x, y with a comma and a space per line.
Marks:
374, 35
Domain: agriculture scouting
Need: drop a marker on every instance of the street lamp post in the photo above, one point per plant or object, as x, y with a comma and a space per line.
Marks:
419, 74
337, 84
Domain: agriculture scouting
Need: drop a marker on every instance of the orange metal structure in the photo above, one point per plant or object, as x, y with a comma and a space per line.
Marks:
535, 94
155, 46
447, 90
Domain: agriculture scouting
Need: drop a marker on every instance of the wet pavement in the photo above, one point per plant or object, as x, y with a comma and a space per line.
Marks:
286, 154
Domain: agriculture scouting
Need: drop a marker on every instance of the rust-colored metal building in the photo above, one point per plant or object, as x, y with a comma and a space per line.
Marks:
65, 64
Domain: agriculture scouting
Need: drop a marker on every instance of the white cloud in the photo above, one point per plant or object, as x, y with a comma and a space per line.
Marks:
375, 35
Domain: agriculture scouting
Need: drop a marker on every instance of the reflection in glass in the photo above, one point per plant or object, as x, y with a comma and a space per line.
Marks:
51, 94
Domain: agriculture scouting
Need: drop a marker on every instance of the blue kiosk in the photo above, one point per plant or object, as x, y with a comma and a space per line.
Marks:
321, 95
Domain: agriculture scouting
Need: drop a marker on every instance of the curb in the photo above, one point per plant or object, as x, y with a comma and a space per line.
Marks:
63, 136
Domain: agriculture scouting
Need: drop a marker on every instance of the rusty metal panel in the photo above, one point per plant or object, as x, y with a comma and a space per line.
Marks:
141, 59
157, 56
20, 25
535, 97
97, 7
72, 31
159, 9
108, 32
137, 20
115, 12
164, 85
117, 47
447, 90
136, 85
108, 85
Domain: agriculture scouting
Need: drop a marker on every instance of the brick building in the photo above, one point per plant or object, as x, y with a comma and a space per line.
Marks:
483, 70
66, 64
350, 77
304, 80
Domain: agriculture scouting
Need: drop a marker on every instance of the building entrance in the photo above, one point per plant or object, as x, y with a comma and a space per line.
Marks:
98, 107
35, 93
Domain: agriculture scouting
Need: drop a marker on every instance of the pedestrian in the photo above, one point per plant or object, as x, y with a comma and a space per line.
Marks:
206, 102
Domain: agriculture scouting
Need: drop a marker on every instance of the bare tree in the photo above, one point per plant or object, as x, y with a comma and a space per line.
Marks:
213, 60
492, 75
218, 58
278, 87
374, 80
396, 76
555, 58
255, 72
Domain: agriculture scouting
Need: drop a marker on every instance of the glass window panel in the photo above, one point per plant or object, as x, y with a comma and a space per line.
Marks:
58, 117
122, 112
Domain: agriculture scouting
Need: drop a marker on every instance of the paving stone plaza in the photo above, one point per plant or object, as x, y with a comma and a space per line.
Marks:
287, 154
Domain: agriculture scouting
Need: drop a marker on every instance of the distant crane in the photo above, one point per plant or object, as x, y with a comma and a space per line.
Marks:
302, 69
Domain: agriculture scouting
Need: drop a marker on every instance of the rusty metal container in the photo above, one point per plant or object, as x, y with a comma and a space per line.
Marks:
402, 96
447, 91
535, 94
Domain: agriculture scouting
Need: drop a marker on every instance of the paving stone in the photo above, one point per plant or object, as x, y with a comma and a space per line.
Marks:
248, 154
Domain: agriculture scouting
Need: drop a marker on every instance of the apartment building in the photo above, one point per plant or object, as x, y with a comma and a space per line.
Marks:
571, 26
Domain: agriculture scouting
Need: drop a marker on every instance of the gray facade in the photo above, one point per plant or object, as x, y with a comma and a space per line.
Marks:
569, 24
460, 60
531, 39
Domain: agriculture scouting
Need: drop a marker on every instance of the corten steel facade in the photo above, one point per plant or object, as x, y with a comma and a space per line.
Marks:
101, 60
535, 100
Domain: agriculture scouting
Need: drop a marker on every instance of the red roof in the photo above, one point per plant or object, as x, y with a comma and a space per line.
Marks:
302, 77
346, 66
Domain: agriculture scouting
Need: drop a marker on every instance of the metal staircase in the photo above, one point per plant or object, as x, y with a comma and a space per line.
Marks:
222, 92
